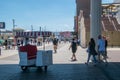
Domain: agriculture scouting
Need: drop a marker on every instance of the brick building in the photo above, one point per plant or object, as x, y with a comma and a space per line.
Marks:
109, 22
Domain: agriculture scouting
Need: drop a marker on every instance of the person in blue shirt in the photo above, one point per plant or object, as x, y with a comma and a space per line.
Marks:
101, 49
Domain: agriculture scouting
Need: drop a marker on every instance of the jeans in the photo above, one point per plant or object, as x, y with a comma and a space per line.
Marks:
94, 58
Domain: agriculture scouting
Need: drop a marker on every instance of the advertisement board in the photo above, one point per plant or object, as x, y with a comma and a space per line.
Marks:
2, 25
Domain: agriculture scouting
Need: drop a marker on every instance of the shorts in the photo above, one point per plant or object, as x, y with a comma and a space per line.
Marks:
74, 50
55, 47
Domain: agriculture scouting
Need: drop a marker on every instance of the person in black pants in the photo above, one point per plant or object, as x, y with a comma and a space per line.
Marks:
106, 44
91, 51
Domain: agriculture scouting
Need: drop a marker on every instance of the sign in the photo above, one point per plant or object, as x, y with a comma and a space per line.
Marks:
2, 25
33, 34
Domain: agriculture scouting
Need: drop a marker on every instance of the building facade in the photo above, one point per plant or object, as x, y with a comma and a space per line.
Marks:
110, 26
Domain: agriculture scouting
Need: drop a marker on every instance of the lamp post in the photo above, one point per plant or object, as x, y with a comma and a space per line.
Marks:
13, 20
13, 31
13, 25
32, 28
44, 38
40, 28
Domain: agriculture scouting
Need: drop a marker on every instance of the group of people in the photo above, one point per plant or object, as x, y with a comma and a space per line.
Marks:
9, 44
99, 49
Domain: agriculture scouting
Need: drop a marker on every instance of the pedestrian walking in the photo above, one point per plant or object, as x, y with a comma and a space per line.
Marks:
73, 46
6, 44
55, 44
13, 44
101, 49
91, 51
106, 44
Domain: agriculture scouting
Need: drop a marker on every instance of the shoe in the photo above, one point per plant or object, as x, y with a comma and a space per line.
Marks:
74, 59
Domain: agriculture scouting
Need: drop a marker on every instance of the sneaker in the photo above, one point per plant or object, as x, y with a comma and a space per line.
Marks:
74, 59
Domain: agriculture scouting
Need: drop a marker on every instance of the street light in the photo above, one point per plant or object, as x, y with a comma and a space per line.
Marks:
40, 28
13, 23
32, 28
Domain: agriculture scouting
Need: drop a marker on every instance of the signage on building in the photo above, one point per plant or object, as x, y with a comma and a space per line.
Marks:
2, 25
33, 34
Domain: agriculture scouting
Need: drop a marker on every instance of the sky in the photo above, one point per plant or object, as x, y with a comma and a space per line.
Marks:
107, 1
50, 15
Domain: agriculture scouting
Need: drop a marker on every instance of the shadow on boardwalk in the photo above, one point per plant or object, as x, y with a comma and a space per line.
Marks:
62, 72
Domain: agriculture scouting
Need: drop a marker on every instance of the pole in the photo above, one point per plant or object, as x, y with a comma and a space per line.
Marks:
13, 27
13, 24
0, 49
15, 39
44, 38
95, 19
40, 28
32, 28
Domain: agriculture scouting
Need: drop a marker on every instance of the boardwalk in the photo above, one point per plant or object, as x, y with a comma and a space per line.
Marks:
62, 68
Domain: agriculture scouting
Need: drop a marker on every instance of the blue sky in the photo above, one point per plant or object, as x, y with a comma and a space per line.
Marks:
107, 1
51, 15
